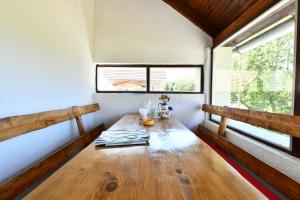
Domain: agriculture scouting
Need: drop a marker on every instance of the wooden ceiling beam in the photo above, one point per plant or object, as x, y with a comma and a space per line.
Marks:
251, 13
193, 16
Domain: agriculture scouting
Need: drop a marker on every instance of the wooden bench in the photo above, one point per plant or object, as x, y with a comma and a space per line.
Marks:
277, 122
17, 125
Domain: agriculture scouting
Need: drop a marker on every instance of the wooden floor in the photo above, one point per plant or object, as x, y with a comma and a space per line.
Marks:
175, 165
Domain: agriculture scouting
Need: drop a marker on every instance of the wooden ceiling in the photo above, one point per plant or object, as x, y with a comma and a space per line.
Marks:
221, 18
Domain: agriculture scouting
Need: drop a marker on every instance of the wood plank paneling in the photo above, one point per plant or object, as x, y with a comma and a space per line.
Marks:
221, 18
251, 13
280, 181
192, 15
19, 184
17, 125
277, 122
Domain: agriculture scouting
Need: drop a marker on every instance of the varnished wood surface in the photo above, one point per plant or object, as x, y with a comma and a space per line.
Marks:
246, 17
193, 15
14, 187
17, 125
80, 125
222, 126
280, 181
220, 18
287, 124
175, 165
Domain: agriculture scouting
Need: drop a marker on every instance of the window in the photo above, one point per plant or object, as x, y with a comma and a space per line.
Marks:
150, 78
122, 79
256, 72
169, 79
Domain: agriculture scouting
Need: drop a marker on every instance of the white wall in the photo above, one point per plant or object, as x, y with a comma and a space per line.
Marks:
187, 108
88, 10
143, 31
45, 63
151, 32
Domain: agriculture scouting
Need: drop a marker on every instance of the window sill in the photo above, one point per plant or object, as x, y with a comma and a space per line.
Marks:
145, 92
282, 161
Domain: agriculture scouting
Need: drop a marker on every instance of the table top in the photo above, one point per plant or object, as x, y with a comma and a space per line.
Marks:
175, 165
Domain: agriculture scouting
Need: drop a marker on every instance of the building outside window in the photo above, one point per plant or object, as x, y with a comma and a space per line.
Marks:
150, 78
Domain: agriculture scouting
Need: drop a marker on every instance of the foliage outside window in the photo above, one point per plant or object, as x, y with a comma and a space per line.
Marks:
175, 79
264, 79
257, 74
156, 79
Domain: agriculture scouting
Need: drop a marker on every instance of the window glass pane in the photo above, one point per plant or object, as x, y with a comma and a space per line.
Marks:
121, 78
257, 74
276, 138
175, 79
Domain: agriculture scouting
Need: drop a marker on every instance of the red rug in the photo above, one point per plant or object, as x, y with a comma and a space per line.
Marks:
257, 184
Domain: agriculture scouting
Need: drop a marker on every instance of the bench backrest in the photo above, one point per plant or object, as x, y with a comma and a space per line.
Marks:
287, 124
17, 125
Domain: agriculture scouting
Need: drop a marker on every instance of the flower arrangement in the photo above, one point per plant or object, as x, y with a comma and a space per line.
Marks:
164, 98
164, 107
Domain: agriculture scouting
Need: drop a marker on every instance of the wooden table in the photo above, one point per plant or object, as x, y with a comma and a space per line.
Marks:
175, 165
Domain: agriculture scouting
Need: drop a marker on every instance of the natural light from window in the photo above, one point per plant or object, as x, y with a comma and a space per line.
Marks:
175, 79
257, 74
121, 78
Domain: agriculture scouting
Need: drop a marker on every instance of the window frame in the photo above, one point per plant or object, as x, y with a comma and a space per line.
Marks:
147, 67
295, 142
